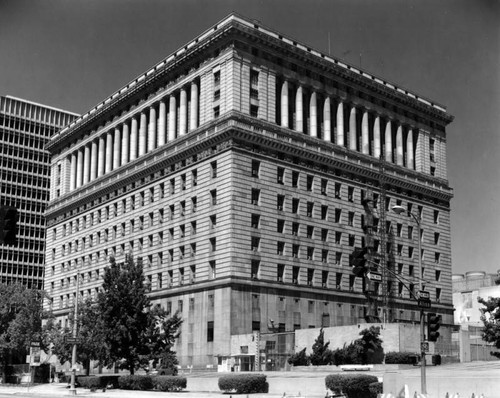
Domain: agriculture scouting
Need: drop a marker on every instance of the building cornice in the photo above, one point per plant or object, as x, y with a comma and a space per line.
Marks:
234, 26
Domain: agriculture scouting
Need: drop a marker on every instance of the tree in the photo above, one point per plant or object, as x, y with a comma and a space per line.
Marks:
134, 333
299, 359
372, 345
21, 312
321, 355
91, 344
490, 315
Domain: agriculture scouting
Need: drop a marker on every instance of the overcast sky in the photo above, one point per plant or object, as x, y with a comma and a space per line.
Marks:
72, 54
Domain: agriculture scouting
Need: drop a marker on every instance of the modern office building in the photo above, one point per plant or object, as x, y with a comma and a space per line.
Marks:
25, 128
244, 169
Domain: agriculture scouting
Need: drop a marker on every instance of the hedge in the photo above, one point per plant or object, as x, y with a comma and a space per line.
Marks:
136, 382
401, 358
98, 381
353, 386
170, 383
244, 383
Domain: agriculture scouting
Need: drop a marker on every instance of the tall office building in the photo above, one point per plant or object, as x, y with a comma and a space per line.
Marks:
25, 128
244, 169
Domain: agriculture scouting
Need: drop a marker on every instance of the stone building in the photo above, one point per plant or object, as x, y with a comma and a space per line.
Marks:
239, 170
25, 128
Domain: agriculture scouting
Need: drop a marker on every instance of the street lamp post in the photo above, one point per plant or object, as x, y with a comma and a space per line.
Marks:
399, 210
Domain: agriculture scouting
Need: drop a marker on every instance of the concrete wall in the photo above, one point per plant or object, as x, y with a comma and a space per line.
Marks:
395, 336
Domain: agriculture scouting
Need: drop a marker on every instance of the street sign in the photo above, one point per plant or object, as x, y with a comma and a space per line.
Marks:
424, 346
424, 303
374, 276
72, 340
424, 294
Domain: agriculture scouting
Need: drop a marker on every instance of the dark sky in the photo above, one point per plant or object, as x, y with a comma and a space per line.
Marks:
72, 54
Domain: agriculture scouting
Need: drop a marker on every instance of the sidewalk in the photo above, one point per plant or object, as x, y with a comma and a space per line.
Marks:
60, 389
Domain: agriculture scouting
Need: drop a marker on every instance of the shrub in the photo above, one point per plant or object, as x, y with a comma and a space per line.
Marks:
359, 386
375, 389
170, 383
136, 382
90, 382
244, 383
353, 386
405, 358
299, 359
349, 354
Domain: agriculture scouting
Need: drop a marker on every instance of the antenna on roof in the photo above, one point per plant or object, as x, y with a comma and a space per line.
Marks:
329, 50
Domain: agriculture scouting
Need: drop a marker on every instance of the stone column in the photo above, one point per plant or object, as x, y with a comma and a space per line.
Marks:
79, 168
284, 104
388, 141
299, 110
162, 123
399, 146
109, 152
152, 129
183, 112
376, 137
340, 124
94, 160
313, 115
193, 114
86, 164
410, 160
102, 155
365, 133
327, 120
172, 118
133, 138
117, 147
72, 171
353, 133
125, 143
143, 133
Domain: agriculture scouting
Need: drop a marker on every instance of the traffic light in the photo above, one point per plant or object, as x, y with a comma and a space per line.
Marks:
8, 225
433, 325
357, 260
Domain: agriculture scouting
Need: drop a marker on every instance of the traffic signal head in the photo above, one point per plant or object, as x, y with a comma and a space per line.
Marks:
8, 225
433, 325
357, 260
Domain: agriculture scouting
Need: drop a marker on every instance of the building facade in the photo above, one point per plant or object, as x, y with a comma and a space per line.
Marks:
25, 128
244, 169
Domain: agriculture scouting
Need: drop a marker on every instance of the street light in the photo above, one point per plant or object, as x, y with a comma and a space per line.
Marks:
399, 210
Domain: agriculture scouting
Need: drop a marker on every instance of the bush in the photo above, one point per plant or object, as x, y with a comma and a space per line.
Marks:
141, 382
244, 383
170, 383
353, 386
402, 358
349, 354
95, 382
376, 389
359, 386
90, 382
299, 359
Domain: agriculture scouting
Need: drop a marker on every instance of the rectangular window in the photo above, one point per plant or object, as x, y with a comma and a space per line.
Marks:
210, 331
324, 186
280, 226
194, 178
281, 273
255, 269
255, 242
295, 205
281, 175
255, 196
338, 215
350, 194
213, 169
295, 179
310, 231
324, 212
213, 196
280, 248
255, 220
324, 235
281, 202
295, 250
255, 168
310, 182
310, 208
295, 229
351, 219
338, 188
